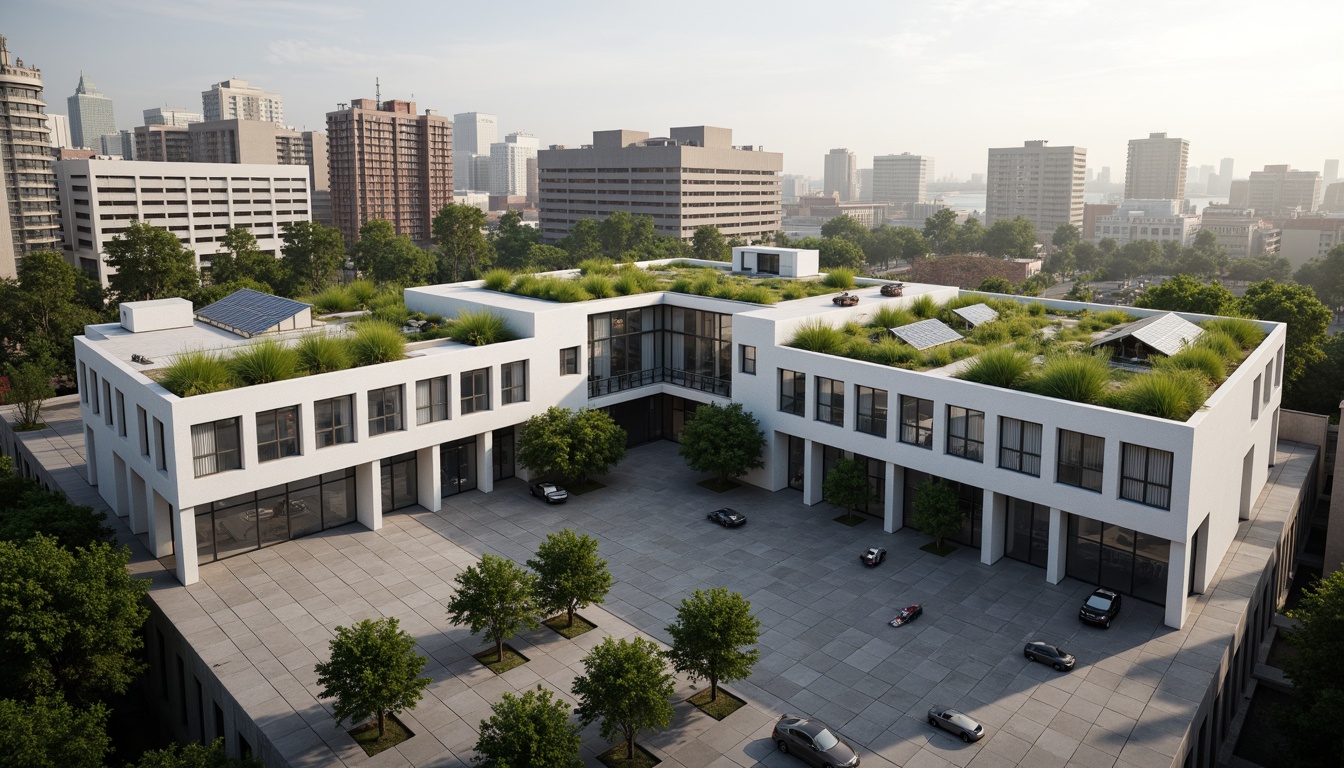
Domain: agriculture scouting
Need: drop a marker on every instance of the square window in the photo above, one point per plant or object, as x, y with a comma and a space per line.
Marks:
871, 413
513, 383
214, 447
966, 433
1080, 460
332, 420
476, 391
1145, 475
569, 361
830, 401
385, 410
917, 421
431, 400
1020, 446
278, 433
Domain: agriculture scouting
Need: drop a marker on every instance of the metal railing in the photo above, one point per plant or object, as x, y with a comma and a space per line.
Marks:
649, 376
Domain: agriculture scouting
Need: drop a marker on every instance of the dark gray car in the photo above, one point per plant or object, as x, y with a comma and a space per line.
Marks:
813, 743
956, 723
1049, 654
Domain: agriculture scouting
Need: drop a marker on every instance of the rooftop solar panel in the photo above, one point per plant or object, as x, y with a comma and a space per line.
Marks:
247, 312
977, 314
925, 334
1166, 333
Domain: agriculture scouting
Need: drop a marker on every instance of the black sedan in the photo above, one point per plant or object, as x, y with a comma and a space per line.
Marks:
1049, 654
956, 723
552, 493
1101, 608
907, 615
728, 518
873, 556
813, 743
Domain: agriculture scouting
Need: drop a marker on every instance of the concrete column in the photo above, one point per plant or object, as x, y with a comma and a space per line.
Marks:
1274, 439
993, 526
811, 473
485, 462
184, 544
1178, 576
123, 505
161, 527
777, 462
369, 495
139, 521
1199, 562
428, 480
1059, 538
893, 518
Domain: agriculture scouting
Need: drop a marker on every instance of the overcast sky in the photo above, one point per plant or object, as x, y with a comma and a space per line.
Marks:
1256, 81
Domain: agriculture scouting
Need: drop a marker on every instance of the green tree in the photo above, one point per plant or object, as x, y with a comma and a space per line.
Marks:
1322, 384
1013, 239
970, 236
846, 485
1307, 319
548, 258
528, 730
725, 440
513, 241
239, 259
839, 253
1066, 235
194, 756
464, 252
497, 597
1087, 257
41, 312
573, 444
995, 285
1137, 257
1325, 276
373, 670
708, 638
846, 228
49, 733
1317, 673
708, 243
570, 575
626, 686
935, 510
584, 241
1184, 293
72, 620
887, 244
150, 263
620, 233
386, 257
1268, 266
312, 255
27, 509
940, 230
29, 387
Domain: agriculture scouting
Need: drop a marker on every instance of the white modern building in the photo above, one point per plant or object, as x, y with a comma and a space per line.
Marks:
197, 202
473, 135
60, 131
1040, 183
238, 100
1155, 168
902, 178
1157, 220
508, 164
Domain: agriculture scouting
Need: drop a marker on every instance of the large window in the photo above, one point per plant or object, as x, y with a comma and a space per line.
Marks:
917, 421
634, 348
1145, 475
513, 383
253, 520
332, 420
1118, 558
966, 433
278, 433
214, 447
431, 400
830, 401
871, 413
476, 391
970, 500
792, 392
1020, 446
767, 263
623, 350
385, 410
1028, 532
1080, 459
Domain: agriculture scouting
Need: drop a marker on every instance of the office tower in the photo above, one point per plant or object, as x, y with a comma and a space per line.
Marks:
1040, 183
839, 175
863, 184
1205, 171
977, 179
1105, 176
1331, 171
1155, 168
1279, 189
127, 145
1333, 199
90, 114
59, 125
171, 116
28, 192
508, 163
793, 186
473, 134
1239, 193
387, 162
237, 100
163, 143
1090, 176
693, 178
902, 178
110, 145
1225, 170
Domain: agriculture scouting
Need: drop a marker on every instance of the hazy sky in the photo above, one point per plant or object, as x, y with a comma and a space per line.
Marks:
1256, 81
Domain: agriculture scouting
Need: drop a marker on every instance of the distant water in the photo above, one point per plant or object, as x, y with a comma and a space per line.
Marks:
975, 201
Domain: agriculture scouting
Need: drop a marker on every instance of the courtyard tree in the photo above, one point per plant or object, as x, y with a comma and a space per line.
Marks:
313, 254
936, 512
710, 638
1011, 238
528, 730
846, 485
708, 243
570, 575
386, 257
48, 732
1317, 673
464, 251
1184, 293
373, 671
150, 263
625, 685
573, 444
725, 440
194, 756
27, 509
497, 597
621, 232
29, 387
44, 309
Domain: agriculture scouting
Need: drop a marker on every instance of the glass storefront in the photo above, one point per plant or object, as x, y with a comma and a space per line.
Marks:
1027, 536
970, 499
503, 453
457, 466
399, 482
1118, 558
656, 417
797, 457
254, 520
638, 347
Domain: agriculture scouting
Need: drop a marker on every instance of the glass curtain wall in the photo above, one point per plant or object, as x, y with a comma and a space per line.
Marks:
1027, 537
399, 481
457, 466
254, 520
1118, 558
637, 347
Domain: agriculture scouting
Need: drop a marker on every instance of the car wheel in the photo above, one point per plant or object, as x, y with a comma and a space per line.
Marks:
1107, 625
932, 721
966, 737
1028, 656
1059, 667
783, 747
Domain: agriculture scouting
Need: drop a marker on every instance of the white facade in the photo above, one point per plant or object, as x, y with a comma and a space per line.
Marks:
1280, 189
171, 116
238, 100
902, 178
60, 131
1157, 220
1040, 183
197, 202
508, 163
784, 262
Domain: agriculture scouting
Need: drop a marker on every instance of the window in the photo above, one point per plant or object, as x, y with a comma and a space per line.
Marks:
431, 400
161, 459
214, 447
792, 392
1145, 475
1255, 399
917, 421
830, 401
143, 419
84, 382
513, 383
569, 361
93, 390
385, 410
767, 263
332, 419
1269, 376
871, 416
278, 433
1020, 446
476, 391
1080, 460
107, 401
966, 433
748, 359
121, 413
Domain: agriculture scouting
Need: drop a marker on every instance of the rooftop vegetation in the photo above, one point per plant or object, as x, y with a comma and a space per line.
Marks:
600, 279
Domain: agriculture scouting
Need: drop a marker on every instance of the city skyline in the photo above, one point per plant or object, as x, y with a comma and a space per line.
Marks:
982, 74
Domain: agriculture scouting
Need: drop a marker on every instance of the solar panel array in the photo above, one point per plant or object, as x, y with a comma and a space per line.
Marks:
247, 312
925, 334
1167, 333
977, 314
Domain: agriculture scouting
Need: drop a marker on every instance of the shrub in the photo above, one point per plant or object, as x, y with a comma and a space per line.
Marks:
392, 314
387, 296
924, 307
839, 277
938, 356
361, 292
377, 342
998, 367
264, 362
481, 328
596, 267
793, 291
333, 299
890, 316
705, 283
631, 280
1036, 309
756, 294
991, 333
322, 353
526, 285
1246, 333
564, 291
1082, 378
599, 286
1165, 394
1226, 346
960, 350
724, 291
818, 336
1202, 360
197, 373
498, 279
894, 352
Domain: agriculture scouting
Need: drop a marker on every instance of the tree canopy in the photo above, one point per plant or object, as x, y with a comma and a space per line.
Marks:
386, 257
569, 573
725, 440
935, 510
373, 670
1317, 673
194, 756
464, 251
528, 730
1325, 276
708, 243
50, 733
1307, 319
27, 509
626, 686
313, 254
42, 311
1010, 238
1066, 235
846, 485
839, 253
1184, 293
240, 259
513, 241
497, 597
150, 263
845, 228
573, 444
940, 230
709, 636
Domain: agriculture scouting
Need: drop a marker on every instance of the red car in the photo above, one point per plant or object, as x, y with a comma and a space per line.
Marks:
906, 616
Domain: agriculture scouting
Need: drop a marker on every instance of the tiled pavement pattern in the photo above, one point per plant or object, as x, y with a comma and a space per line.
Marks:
262, 620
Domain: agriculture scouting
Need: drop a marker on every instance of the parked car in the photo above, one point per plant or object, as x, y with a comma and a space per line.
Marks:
907, 615
552, 493
956, 723
813, 743
728, 518
873, 556
1049, 654
1102, 607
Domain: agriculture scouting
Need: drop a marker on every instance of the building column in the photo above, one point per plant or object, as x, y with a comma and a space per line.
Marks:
993, 526
428, 480
1059, 540
893, 514
184, 544
777, 462
1178, 576
485, 462
369, 494
811, 473
119, 474
161, 527
139, 521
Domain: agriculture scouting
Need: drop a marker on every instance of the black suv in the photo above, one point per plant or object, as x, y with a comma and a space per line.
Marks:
1101, 608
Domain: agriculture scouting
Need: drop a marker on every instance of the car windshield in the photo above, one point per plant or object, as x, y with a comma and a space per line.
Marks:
825, 740
1098, 602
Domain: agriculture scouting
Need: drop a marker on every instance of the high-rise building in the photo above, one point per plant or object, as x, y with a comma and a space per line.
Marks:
387, 162
163, 143
1155, 168
28, 191
693, 178
793, 187
508, 163
1279, 189
473, 135
59, 125
1040, 183
1331, 171
902, 178
109, 145
1239, 193
237, 100
840, 175
1333, 199
1104, 177
171, 116
1225, 170
90, 114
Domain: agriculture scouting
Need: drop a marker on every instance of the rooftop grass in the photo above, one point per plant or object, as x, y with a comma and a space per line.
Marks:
600, 279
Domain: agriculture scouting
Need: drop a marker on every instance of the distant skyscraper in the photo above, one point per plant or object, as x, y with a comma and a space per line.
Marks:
1040, 183
171, 116
864, 183
978, 179
1225, 170
91, 115
902, 178
1105, 176
473, 133
59, 125
109, 145
237, 100
1155, 168
1331, 171
508, 163
840, 175
1279, 189
792, 186
25, 165
1089, 176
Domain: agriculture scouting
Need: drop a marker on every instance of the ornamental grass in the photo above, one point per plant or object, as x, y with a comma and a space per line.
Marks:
839, 278
264, 362
480, 328
998, 367
197, 373
1082, 378
1169, 394
818, 336
322, 353
1246, 333
377, 342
